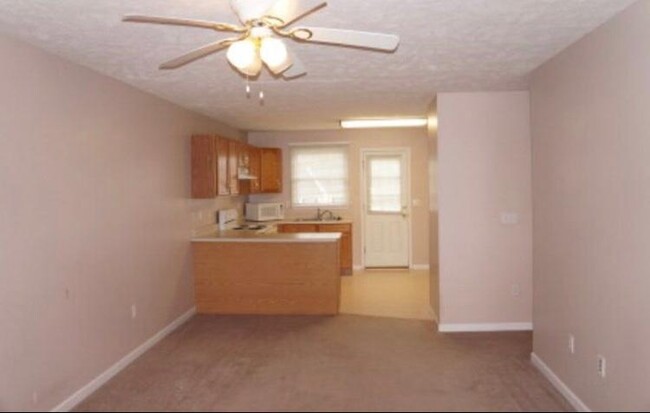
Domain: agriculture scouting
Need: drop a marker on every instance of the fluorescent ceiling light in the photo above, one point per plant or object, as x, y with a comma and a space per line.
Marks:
384, 123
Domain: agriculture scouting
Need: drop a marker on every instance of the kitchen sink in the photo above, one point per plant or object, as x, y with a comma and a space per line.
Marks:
319, 220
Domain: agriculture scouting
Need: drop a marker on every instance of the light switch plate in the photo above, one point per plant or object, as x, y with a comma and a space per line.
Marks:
509, 218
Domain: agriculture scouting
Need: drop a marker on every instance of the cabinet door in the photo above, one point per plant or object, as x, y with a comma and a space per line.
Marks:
222, 167
297, 228
204, 169
271, 174
249, 163
233, 167
346, 244
255, 167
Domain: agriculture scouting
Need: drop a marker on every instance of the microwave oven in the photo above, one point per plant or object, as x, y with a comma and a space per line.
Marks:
264, 212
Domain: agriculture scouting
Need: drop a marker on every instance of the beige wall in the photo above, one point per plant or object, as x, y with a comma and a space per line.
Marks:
94, 217
434, 221
415, 139
484, 170
591, 168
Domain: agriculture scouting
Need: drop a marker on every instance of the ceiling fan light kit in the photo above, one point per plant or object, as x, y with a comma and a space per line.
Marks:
259, 41
274, 54
243, 56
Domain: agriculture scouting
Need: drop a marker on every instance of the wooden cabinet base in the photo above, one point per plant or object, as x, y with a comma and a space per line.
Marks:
267, 278
346, 239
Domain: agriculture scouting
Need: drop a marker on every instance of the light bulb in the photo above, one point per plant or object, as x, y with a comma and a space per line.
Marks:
275, 54
243, 55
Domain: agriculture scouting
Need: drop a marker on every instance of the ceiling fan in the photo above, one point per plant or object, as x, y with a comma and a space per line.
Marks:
259, 39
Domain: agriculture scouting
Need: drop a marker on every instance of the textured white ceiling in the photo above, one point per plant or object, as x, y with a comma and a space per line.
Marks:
447, 45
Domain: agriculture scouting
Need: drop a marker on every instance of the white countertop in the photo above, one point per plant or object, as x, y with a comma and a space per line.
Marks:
251, 237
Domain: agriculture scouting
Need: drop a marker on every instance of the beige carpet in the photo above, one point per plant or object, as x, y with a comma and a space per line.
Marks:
345, 363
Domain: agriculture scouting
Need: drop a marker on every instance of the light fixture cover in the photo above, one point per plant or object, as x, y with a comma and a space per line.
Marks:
384, 123
275, 54
244, 56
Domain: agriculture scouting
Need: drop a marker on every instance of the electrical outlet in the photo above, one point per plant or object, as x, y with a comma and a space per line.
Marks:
134, 311
602, 366
516, 290
572, 344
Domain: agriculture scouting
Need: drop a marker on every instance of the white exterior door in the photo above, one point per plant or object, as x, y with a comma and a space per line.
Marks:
386, 209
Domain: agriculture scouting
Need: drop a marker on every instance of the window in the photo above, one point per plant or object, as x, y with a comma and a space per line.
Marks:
319, 175
385, 186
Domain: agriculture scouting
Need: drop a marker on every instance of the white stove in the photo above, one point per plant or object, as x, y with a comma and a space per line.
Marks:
229, 220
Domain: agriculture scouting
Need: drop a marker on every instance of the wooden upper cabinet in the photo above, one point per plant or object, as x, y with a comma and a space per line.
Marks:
216, 164
204, 170
234, 147
222, 167
254, 168
271, 170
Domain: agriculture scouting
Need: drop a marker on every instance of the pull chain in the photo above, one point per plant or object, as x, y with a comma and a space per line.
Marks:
249, 92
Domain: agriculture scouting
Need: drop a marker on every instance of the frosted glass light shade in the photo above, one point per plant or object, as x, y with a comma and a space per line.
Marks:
275, 54
243, 55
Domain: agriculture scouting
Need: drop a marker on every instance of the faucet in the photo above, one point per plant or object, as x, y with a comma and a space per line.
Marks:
320, 215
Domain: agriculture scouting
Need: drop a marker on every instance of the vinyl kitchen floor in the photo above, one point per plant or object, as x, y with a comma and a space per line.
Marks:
387, 293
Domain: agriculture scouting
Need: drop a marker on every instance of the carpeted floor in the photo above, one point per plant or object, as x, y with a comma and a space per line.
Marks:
345, 363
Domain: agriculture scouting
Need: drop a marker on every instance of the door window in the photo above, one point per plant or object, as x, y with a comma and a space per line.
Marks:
385, 184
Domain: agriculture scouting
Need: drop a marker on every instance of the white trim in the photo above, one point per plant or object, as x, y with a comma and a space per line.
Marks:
406, 152
484, 327
420, 267
571, 397
358, 268
81, 394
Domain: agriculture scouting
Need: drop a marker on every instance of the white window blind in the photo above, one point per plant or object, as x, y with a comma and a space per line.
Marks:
319, 175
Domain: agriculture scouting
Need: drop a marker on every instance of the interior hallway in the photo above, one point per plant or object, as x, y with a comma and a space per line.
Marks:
387, 293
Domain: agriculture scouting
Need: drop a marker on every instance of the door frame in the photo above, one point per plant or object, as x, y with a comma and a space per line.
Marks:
406, 152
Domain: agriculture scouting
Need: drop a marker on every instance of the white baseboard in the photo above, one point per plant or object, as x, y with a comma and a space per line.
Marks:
358, 268
484, 327
559, 384
112, 371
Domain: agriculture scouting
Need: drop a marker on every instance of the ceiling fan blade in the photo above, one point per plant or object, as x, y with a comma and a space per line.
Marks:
182, 22
197, 54
291, 10
349, 38
297, 69
248, 10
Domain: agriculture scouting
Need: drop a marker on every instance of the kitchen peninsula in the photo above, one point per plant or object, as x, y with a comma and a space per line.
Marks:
272, 274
